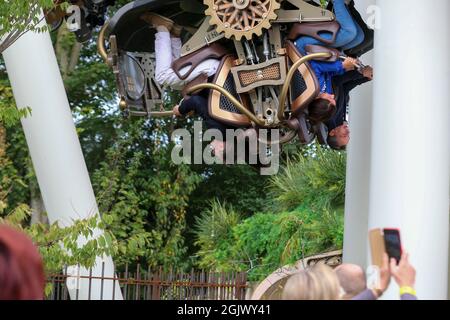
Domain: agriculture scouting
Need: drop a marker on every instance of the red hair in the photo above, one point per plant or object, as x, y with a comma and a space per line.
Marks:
21, 269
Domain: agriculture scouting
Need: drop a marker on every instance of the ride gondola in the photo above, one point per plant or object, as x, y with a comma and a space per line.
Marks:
263, 80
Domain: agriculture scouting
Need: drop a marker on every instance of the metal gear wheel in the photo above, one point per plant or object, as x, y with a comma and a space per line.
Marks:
241, 18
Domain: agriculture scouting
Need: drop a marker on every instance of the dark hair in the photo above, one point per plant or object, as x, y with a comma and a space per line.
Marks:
333, 143
21, 269
321, 110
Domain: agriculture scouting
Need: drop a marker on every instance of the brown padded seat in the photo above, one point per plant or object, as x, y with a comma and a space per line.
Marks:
202, 78
214, 51
304, 89
219, 107
321, 132
305, 86
335, 54
313, 29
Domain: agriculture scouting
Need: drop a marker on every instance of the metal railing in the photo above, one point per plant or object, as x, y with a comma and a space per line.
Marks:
143, 284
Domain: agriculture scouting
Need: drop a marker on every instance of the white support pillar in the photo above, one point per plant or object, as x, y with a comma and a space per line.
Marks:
358, 163
54, 146
410, 138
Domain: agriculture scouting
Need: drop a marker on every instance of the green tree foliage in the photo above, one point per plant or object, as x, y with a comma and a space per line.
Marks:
16, 170
9, 114
59, 245
307, 219
144, 196
214, 232
239, 185
267, 241
19, 16
324, 3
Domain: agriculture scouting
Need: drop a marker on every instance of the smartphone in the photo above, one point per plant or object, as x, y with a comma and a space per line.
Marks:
392, 243
377, 247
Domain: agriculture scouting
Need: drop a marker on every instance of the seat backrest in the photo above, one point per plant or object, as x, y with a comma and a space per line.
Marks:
321, 131
304, 86
219, 106
335, 54
201, 78
214, 51
314, 30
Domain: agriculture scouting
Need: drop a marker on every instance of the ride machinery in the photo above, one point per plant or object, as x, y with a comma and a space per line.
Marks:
263, 81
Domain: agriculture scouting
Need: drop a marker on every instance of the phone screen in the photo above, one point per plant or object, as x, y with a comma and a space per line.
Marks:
393, 244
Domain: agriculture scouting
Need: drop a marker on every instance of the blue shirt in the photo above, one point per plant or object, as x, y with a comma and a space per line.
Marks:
325, 71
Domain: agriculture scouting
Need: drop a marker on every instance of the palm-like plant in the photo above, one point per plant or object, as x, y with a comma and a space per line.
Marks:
317, 179
213, 227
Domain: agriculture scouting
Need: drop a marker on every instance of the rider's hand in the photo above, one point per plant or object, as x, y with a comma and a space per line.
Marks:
349, 63
368, 72
176, 111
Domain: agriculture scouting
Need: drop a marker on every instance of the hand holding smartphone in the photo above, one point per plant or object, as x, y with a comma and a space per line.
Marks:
385, 240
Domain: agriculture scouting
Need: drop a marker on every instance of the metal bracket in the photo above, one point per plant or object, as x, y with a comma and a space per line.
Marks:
240, 51
306, 13
275, 38
205, 35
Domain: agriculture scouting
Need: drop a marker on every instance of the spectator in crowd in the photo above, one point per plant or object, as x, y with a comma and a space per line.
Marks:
404, 275
352, 279
349, 282
385, 279
330, 288
21, 269
319, 283
300, 286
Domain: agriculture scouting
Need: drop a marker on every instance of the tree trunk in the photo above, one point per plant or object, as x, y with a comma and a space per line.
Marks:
61, 49
2, 141
75, 56
3, 193
67, 51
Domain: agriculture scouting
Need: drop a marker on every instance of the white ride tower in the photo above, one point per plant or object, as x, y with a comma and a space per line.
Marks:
398, 166
55, 149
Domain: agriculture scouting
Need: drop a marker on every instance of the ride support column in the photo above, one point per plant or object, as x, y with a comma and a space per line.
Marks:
55, 149
409, 187
358, 159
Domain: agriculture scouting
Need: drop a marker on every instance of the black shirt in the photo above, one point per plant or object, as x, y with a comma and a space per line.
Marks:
199, 105
342, 85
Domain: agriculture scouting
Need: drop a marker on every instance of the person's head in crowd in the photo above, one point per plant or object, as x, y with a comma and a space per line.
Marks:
330, 288
21, 269
300, 286
352, 279
322, 109
339, 137
319, 283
